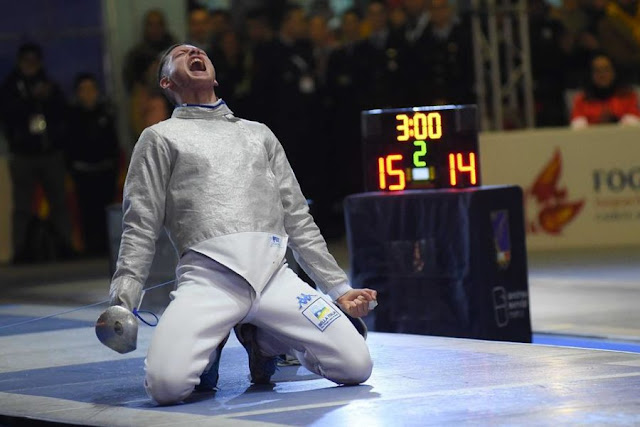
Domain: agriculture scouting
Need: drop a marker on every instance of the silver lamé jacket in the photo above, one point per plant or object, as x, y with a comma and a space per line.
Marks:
207, 176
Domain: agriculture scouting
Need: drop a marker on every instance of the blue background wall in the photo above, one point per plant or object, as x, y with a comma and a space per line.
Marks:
70, 32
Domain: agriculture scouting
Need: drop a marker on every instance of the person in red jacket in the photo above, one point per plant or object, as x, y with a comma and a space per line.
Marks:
604, 99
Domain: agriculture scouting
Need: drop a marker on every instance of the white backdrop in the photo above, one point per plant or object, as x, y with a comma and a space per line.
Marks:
582, 187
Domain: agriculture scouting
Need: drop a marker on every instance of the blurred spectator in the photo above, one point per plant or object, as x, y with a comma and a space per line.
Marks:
155, 39
321, 8
628, 12
411, 55
232, 71
33, 110
258, 27
93, 155
619, 33
549, 45
443, 60
346, 83
582, 23
139, 72
349, 33
200, 29
384, 53
286, 83
259, 38
397, 18
323, 42
417, 18
148, 105
155, 108
604, 99
284, 80
603, 26
221, 23
345, 70
378, 19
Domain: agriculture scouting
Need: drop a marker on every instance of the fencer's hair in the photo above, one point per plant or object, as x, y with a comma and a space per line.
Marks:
162, 62
163, 58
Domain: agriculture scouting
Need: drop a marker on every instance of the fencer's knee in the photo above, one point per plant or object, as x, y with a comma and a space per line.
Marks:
355, 368
167, 388
359, 371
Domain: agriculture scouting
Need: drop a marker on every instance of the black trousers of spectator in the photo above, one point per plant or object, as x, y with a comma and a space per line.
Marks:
95, 190
49, 171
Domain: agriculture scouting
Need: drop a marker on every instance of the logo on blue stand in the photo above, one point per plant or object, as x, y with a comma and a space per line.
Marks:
501, 237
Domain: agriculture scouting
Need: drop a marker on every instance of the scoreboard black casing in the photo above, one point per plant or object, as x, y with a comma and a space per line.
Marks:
444, 262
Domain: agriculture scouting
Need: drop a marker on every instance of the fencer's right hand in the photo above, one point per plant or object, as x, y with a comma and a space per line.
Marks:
356, 301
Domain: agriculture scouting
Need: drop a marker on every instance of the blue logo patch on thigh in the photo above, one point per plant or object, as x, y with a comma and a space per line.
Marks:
304, 299
321, 314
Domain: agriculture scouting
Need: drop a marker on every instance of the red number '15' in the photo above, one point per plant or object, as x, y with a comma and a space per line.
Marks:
385, 167
456, 165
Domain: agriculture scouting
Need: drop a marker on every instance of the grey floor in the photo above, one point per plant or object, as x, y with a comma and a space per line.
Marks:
586, 292
55, 369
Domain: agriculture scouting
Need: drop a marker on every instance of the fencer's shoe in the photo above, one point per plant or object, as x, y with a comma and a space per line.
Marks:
288, 360
209, 378
261, 367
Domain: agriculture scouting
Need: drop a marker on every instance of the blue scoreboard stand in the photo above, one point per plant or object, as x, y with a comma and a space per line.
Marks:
444, 262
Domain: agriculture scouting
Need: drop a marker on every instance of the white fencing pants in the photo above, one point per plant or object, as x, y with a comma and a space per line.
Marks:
210, 300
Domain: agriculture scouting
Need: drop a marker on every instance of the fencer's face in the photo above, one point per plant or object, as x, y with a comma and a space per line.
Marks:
188, 67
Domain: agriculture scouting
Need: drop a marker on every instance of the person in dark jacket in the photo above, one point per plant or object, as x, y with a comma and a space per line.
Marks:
285, 80
33, 111
443, 60
93, 155
386, 76
345, 78
155, 39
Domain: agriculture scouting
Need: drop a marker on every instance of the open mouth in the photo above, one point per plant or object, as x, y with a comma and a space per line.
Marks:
197, 64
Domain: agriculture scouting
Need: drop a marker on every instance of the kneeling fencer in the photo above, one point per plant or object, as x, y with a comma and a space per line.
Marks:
225, 192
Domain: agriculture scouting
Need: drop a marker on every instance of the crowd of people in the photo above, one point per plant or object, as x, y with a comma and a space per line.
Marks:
564, 44
306, 73
48, 141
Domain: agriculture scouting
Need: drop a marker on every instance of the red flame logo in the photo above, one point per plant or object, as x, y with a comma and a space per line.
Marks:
548, 209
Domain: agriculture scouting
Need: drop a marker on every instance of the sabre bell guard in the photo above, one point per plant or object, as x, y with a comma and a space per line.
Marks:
117, 328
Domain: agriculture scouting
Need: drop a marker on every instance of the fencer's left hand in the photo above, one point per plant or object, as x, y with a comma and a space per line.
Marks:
356, 301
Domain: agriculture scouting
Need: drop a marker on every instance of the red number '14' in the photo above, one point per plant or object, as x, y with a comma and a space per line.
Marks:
456, 165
